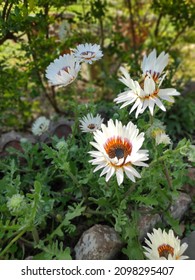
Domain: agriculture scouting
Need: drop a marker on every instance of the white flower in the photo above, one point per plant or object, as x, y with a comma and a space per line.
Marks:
164, 246
90, 123
118, 150
143, 95
40, 126
87, 52
154, 65
63, 70
162, 138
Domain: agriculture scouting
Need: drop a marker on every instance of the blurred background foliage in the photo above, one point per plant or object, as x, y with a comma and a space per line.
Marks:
33, 33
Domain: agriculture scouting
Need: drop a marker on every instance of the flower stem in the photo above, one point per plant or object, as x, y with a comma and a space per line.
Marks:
35, 235
167, 175
12, 242
130, 190
117, 194
151, 119
94, 212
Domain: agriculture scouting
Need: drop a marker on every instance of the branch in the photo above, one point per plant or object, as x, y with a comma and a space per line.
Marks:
158, 24
101, 32
9, 10
5, 10
177, 36
8, 35
131, 18
46, 12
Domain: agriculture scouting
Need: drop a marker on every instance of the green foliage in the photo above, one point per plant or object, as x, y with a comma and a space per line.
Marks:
54, 251
48, 190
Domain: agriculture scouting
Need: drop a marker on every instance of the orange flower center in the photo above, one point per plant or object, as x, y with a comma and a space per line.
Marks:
164, 250
151, 95
116, 147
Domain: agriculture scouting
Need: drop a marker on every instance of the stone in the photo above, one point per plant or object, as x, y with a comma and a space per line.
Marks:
189, 187
13, 139
99, 242
190, 240
61, 128
147, 222
180, 206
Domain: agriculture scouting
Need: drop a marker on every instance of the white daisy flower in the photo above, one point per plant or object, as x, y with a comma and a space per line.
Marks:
143, 95
164, 246
118, 149
87, 52
90, 123
40, 126
63, 70
154, 65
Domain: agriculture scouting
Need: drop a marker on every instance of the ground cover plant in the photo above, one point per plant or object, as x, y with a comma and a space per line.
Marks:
115, 79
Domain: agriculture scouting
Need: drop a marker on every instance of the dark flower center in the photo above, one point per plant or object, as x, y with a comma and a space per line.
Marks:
164, 251
92, 54
91, 126
116, 147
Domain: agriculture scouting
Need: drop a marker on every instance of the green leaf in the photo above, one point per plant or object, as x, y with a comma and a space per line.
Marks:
147, 200
174, 223
74, 211
54, 251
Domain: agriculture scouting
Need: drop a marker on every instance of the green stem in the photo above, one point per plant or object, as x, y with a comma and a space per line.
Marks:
167, 175
162, 158
35, 235
151, 119
74, 179
117, 194
27, 242
130, 190
12, 242
94, 212
91, 93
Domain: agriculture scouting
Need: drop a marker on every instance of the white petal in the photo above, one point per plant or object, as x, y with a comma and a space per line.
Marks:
119, 176
159, 104
110, 173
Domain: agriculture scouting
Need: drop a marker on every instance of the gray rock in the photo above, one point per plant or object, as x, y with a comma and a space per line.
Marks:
147, 222
189, 187
190, 240
180, 206
100, 242
60, 127
13, 139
